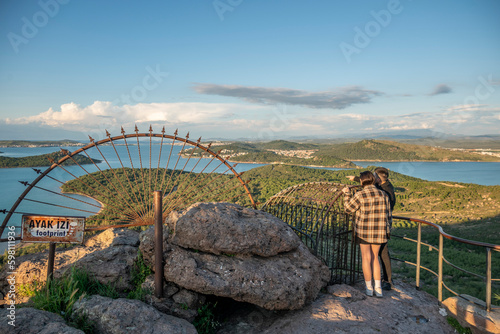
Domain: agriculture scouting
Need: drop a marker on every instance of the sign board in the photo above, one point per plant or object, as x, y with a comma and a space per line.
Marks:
53, 229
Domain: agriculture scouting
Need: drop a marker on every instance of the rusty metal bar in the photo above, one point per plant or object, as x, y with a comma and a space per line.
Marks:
80, 180
176, 163
440, 269
419, 250
50, 261
168, 161
109, 181
145, 193
196, 177
121, 163
132, 164
159, 155
158, 244
192, 193
59, 194
105, 227
150, 148
59, 206
488, 279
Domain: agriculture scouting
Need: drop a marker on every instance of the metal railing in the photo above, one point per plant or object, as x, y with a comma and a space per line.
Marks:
488, 247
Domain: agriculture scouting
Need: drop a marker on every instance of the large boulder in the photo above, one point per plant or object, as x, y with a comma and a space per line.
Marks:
117, 316
283, 282
112, 265
219, 228
28, 320
262, 262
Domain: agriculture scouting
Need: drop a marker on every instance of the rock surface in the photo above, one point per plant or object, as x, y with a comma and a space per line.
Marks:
225, 228
117, 316
473, 316
282, 282
107, 256
346, 309
32, 321
280, 274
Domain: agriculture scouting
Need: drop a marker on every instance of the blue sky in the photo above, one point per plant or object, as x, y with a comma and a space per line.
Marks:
248, 69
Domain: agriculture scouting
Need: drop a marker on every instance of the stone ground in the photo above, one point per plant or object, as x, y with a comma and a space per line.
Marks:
346, 309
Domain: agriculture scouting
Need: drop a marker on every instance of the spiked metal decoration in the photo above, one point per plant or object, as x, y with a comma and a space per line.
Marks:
120, 173
315, 212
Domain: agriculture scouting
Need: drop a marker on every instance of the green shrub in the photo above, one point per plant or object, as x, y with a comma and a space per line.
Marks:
60, 294
140, 271
456, 325
205, 322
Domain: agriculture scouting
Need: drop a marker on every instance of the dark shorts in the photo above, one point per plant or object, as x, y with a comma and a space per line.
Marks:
360, 241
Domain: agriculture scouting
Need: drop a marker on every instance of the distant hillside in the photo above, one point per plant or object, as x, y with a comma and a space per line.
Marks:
43, 143
341, 155
283, 152
43, 160
370, 150
287, 145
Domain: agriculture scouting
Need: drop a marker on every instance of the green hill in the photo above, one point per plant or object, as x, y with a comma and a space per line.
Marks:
341, 155
383, 150
286, 145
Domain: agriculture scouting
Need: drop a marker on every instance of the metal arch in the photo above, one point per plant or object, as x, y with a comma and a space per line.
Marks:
124, 136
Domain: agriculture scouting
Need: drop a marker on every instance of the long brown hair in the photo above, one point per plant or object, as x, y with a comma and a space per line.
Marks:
366, 178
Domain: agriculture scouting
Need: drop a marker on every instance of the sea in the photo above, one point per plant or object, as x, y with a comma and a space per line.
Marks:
482, 173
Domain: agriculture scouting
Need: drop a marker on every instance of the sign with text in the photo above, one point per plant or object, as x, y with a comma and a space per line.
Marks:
53, 229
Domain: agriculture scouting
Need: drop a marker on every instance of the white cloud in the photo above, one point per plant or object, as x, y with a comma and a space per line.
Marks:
103, 114
250, 121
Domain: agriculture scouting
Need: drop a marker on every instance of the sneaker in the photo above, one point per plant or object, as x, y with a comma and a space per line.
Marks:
386, 286
369, 292
378, 292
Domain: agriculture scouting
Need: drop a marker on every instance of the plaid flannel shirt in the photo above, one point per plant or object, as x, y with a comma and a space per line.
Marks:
372, 222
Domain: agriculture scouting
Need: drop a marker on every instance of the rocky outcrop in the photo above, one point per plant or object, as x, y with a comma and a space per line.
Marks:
346, 309
117, 316
32, 321
108, 256
474, 315
262, 262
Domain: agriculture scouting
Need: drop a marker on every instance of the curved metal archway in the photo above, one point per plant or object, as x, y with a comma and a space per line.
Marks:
124, 179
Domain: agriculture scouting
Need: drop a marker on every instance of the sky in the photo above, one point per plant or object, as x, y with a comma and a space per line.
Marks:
241, 69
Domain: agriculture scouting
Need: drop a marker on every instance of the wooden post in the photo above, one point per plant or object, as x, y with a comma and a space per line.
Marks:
158, 244
50, 261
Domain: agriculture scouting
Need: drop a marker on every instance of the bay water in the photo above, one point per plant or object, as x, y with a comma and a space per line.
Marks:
483, 173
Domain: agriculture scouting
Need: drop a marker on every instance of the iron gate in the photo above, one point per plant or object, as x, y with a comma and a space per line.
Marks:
315, 212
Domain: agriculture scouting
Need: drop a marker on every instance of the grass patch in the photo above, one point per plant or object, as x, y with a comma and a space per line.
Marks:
140, 271
60, 294
205, 322
458, 328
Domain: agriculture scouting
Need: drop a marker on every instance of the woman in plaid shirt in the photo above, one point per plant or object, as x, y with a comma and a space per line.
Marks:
371, 225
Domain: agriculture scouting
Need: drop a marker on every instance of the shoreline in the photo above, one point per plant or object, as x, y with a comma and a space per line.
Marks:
84, 195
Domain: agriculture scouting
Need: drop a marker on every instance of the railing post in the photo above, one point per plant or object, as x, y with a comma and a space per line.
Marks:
488, 279
50, 261
419, 243
440, 269
158, 212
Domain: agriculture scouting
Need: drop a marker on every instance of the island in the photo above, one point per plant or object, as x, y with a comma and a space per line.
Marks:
44, 160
